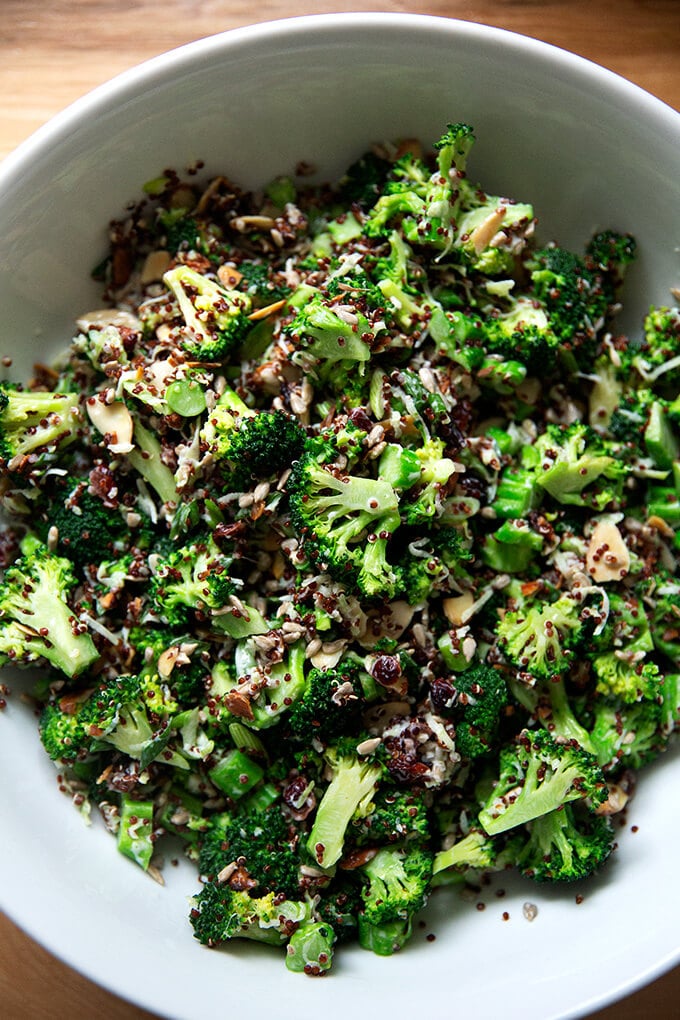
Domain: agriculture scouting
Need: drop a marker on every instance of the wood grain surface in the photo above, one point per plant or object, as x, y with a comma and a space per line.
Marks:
52, 53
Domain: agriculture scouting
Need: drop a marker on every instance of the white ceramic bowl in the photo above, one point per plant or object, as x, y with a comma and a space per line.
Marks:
590, 150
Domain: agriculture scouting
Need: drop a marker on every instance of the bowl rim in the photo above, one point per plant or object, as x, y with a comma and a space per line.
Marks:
159, 69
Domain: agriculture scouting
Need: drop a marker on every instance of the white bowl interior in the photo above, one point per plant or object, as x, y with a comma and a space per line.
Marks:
590, 151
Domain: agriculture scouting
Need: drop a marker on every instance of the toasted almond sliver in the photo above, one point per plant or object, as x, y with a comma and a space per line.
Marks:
263, 313
456, 609
659, 524
113, 420
482, 235
228, 276
155, 265
607, 557
167, 660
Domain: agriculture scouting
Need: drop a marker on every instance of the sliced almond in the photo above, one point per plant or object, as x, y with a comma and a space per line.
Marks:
457, 610
107, 317
607, 557
615, 802
167, 660
228, 276
482, 235
659, 524
263, 313
239, 705
114, 421
155, 265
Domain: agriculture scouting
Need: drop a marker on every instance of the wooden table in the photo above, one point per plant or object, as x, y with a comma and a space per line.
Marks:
50, 54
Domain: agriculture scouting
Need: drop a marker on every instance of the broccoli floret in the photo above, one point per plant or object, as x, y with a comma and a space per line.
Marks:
611, 251
630, 678
539, 639
181, 231
405, 205
344, 520
658, 359
629, 419
86, 530
398, 881
425, 499
577, 467
260, 845
62, 733
523, 333
260, 283
220, 913
354, 780
103, 345
491, 232
339, 906
550, 704
628, 735
118, 714
193, 579
330, 704
34, 595
396, 816
355, 287
434, 562
34, 425
321, 333
576, 299
215, 319
566, 845
363, 181
179, 659
627, 626
253, 444
537, 775
259, 693
481, 695
427, 205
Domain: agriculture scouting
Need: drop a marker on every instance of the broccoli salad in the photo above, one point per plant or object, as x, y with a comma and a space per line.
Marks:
345, 539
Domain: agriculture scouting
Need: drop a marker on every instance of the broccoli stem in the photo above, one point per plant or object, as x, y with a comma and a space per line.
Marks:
352, 783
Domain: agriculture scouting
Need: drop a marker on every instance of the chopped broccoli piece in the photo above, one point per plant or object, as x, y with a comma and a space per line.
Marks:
215, 319
397, 887
220, 913
35, 424
396, 816
254, 444
537, 776
330, 705
566, 845
34, 596
352, 786
261, 844
193, 579
345, 520
481, 695
539, 639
